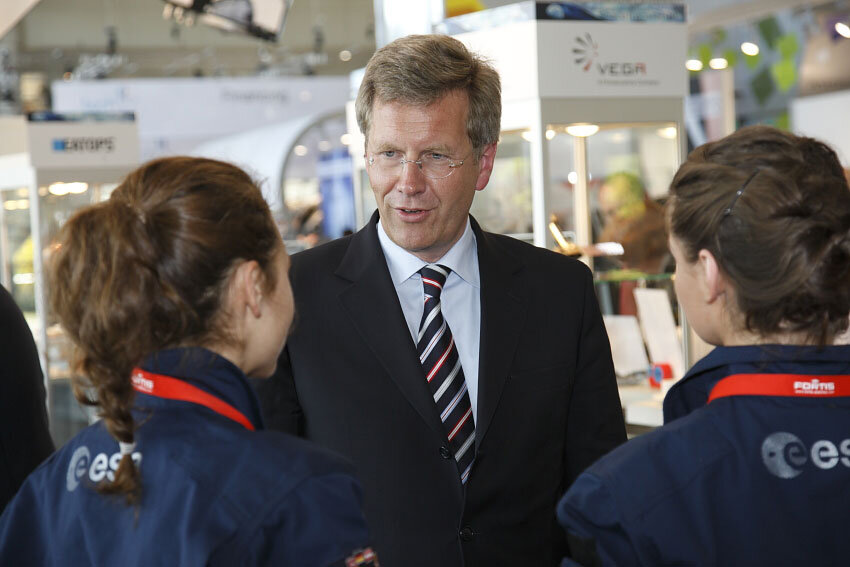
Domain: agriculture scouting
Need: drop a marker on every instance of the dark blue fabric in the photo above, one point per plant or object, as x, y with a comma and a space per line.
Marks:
744, 480
214, 493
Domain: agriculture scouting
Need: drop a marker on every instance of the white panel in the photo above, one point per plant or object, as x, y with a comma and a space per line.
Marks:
177, 115
83, 145
512, 49
827, 118
612, 59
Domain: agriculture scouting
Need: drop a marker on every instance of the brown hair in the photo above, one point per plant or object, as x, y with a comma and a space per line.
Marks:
774, 210
421, 69
147, 270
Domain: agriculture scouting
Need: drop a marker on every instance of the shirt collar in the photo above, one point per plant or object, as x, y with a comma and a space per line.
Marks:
462, 258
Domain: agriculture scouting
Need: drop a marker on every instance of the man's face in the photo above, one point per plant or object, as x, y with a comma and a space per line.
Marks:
422, 215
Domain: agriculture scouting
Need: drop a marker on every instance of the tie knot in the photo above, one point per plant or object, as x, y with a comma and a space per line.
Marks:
434, 278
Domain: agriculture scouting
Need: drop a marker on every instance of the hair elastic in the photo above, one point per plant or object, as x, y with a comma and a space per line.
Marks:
126, 448
739, 192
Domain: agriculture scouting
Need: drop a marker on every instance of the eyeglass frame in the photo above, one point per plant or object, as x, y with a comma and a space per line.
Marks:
453, 164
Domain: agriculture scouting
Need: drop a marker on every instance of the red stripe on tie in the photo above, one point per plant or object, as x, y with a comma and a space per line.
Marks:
441, 361
434, 283
460, 423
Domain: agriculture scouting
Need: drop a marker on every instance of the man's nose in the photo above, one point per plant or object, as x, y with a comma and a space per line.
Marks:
410, 178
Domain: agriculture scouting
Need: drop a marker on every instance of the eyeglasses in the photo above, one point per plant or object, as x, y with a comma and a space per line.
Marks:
432, 164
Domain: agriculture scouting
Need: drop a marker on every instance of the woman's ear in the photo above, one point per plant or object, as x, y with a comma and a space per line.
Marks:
713, 279
248, 287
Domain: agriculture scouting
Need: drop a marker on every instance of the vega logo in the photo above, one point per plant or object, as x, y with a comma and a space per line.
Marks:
785, 455
102, 466
586, 53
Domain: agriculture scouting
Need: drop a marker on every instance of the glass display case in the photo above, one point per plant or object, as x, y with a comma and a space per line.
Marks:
41, 187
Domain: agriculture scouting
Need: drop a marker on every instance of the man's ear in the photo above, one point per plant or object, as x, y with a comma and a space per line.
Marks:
485, 166
248, 286
713, 278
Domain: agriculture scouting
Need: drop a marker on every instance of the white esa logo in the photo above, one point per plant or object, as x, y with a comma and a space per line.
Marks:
784, 454
102, 466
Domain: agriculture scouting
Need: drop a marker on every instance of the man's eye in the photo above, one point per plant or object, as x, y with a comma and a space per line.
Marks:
434, 156
388, 154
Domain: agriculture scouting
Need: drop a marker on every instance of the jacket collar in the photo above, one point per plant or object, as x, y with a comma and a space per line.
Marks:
208, 371
692, 391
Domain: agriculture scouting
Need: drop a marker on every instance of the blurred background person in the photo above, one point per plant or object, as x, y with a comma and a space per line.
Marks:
173, 291
24, 436
633, 219
753, 463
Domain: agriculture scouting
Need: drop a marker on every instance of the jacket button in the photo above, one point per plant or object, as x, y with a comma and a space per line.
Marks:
445, 453
466, 534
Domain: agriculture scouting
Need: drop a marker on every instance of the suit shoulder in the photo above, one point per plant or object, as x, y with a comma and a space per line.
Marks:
535, 256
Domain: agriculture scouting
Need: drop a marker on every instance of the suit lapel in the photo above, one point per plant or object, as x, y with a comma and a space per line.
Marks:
371, 302
502, 319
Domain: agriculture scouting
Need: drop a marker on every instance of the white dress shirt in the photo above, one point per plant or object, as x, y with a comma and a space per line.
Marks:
460, 298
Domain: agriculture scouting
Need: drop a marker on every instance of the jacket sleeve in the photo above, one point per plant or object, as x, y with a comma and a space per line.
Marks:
278, 399
595, 420
595, 528
24, 436
319, 524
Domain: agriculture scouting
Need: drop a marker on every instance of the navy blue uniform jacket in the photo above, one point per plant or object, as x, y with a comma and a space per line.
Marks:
213, 492
743, 480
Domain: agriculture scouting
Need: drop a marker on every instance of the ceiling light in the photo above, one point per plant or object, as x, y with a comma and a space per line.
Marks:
582, 130
550, 134
669, 132
693, 65
345, 139
65, 188
750, 48
526, 135
718, 63
572, 177
842, 29
300, 150
345, 55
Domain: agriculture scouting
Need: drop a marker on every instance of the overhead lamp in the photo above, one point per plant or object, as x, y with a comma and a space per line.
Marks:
693, 65
60, 189
842, 29
526, 135
550, 134
572, 177
669, 132
718, 63
750, 48
300, 150
582, 130
345, 139
345, 55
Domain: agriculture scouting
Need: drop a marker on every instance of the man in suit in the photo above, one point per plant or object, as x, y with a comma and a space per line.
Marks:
467, 374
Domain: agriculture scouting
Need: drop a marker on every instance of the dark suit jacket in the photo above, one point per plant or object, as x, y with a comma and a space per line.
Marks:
548, 405
24, 438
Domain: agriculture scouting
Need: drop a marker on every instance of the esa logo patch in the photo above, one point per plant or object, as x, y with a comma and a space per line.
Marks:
785, 455
102, 466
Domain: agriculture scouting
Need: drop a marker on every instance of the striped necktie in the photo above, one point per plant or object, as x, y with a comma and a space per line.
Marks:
438, 355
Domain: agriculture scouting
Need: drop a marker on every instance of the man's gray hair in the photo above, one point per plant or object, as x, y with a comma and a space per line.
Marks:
420, 70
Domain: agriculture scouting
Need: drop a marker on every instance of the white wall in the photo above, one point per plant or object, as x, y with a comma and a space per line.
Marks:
827, 118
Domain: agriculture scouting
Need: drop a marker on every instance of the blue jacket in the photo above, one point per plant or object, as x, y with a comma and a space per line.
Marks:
743, 480
213, 492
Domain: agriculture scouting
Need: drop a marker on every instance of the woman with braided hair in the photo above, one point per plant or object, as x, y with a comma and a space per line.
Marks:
753, 463
174, 292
